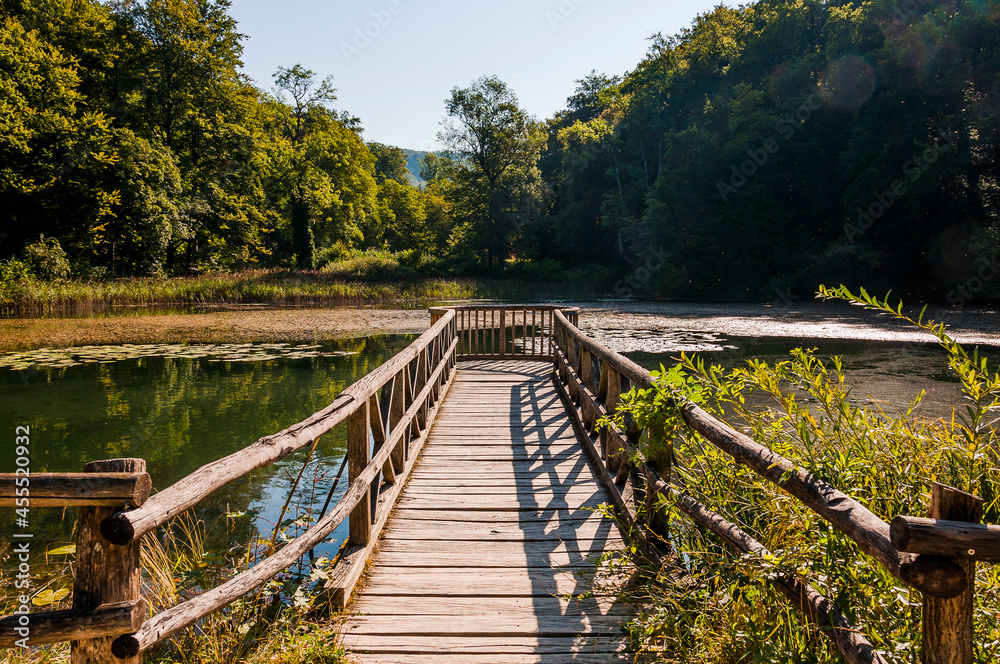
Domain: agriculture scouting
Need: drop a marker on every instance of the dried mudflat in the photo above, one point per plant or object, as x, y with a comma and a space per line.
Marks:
664, 327
225, 326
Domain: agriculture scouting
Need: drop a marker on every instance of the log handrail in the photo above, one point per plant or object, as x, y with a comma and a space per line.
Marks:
929, 575
942, 577
79, 489
129, 526
75, 624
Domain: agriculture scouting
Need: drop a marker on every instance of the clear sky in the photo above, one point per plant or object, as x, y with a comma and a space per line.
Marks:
394, 62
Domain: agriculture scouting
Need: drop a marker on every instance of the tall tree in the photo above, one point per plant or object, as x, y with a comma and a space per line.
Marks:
498, 145
307, 101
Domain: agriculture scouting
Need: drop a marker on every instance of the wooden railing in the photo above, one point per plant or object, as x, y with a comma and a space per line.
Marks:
505, 332
388, 415
936, 556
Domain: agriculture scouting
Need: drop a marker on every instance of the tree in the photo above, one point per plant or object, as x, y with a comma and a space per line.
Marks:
498, 145
390, 163
307, 102
435, 167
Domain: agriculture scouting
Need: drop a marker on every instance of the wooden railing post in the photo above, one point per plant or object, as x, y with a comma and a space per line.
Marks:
358, 456
105, 573
503, 333
948, 629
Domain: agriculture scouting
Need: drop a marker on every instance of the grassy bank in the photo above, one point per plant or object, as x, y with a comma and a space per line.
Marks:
364, 281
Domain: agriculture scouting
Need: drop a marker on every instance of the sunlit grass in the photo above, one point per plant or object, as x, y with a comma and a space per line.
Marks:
277, 624
337, 285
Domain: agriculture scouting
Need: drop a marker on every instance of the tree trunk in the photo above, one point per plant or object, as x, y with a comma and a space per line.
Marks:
302, 234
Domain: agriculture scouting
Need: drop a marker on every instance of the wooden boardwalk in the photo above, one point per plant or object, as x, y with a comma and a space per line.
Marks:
487, 558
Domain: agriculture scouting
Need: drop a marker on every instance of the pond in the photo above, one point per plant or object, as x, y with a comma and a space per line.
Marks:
180, 407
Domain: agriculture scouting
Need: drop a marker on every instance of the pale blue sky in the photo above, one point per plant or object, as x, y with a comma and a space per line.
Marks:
397, 82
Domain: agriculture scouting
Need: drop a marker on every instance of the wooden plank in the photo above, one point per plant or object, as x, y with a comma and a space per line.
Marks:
485, 625
477, 583
540, 516
497, 503
498, 606
509, 479
437, 646
520, 559
489, 548
498, 658
503, 532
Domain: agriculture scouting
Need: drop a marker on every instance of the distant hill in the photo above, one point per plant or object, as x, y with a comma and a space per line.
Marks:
413, 158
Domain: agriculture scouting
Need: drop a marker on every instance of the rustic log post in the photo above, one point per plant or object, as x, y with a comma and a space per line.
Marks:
503, 332
948, 629
105, 573
586, 373
358, 456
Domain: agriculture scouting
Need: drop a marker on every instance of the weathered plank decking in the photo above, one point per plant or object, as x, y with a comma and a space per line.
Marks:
488, 555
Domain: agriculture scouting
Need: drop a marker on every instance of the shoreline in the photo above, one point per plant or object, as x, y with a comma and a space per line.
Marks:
623, 326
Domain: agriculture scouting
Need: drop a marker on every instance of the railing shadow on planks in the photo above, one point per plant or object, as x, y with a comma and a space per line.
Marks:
388, 415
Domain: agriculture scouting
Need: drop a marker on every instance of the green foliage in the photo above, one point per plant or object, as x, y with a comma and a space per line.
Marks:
709, 604
46, 259
497, 145
390, 163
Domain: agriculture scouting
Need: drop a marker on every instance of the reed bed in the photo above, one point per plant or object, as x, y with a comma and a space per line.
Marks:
34, 297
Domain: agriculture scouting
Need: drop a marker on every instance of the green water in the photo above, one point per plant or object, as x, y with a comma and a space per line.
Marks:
179, 408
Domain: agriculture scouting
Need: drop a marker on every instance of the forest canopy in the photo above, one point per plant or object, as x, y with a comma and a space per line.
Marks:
761, 151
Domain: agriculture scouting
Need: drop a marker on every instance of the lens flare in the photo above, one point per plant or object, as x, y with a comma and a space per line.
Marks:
847, 82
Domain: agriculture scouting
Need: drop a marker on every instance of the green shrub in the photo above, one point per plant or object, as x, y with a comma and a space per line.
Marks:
46, 259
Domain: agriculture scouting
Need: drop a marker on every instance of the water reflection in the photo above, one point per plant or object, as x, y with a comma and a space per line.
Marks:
179, 413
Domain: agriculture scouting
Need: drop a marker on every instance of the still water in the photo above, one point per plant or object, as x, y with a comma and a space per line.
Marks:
180, 407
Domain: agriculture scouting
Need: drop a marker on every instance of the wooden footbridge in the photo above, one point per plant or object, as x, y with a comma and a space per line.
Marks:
476, 472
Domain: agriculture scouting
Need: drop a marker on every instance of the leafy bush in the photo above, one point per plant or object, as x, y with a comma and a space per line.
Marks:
370, 264
12, 271
46, 259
